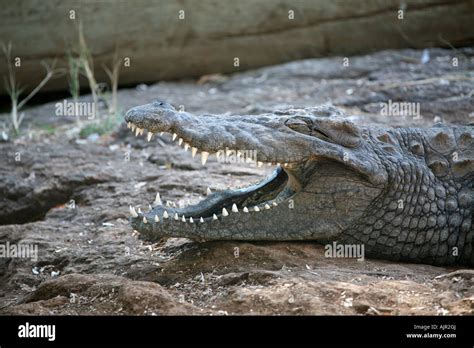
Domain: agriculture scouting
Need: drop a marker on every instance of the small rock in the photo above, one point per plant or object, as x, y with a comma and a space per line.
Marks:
425, 57
347, 302
141, 87
92, 138
139, 185
3, 136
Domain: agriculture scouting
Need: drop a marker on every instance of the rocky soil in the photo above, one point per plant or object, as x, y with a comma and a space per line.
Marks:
70, 197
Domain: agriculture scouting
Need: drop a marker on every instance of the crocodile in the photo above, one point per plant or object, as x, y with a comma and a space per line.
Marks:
405, 194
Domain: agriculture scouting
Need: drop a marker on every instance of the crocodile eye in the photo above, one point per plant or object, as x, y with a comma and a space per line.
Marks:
338, 131
298, 125
158, 103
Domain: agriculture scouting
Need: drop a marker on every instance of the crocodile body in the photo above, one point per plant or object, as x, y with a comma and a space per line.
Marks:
406, 194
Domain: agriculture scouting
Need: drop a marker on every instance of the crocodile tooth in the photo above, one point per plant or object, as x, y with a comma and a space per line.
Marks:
234, 208
144, 220
191, 220
259, 164
157, 219
194, 151
165, 215
257, 209
246, 210
180, 141
214, 217
208, 191
137, 131
141, 131
129, 124
176, 217
157, 199
224, 212
267, 206
269, 164
285, 164
175, 136
139, 211
168, 204
218, 154
227, 152
148, 136
161, 133
204, 156
201, 219
133, 127
186, 146
133, 212
183, 219
150, 207
274, 204
239, 153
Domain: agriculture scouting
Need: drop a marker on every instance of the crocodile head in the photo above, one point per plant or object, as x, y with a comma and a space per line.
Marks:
325, 175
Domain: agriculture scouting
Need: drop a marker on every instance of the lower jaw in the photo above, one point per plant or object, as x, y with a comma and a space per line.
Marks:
237, 226
268, 193
230, 214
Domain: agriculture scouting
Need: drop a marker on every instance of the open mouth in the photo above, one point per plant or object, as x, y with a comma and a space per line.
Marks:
267, 194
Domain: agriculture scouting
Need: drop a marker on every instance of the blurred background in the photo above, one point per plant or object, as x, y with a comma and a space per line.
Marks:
169, 40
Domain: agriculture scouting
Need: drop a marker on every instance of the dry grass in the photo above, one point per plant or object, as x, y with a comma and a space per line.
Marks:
14, 90
113, 75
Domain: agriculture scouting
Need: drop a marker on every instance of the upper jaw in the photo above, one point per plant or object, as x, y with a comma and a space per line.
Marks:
267, 135
213, 134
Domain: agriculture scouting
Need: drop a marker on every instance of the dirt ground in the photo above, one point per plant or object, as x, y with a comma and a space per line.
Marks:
70, 197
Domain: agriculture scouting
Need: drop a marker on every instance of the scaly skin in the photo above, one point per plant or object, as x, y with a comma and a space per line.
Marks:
406, 194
